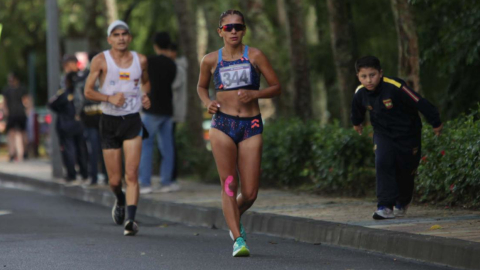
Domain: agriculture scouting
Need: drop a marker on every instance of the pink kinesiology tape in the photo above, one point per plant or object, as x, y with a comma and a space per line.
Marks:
227, 186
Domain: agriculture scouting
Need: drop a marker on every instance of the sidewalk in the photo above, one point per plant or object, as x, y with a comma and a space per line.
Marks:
304, 217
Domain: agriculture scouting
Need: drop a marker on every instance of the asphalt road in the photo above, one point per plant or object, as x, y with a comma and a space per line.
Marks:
39, 231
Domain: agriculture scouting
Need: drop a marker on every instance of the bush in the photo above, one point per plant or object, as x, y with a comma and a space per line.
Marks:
449, 170
342, 161
321, 159
286, 152
325, 159
332, 159
192, 162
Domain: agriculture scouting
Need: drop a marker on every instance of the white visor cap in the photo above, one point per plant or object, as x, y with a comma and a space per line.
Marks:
115, 25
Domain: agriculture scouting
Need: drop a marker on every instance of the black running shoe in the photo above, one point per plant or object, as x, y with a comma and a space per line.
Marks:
131, 228
118, 213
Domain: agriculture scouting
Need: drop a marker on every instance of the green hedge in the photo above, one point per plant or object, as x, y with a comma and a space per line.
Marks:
322, 159
286, 152
192, 163
335, 160
298, 154
342, 161
449, 171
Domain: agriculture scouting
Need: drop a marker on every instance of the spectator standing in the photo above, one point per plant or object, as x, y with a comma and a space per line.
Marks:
158, 118
90, 116
76, 142
15, 98
69, 130
179, 89
394, 113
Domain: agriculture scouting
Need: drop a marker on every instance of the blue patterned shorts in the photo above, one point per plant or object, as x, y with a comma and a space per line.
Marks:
238, 128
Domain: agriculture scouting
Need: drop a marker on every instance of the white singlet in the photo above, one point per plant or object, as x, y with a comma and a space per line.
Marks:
124, 80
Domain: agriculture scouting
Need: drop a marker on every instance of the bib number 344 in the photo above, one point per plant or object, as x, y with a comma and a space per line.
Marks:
236, 75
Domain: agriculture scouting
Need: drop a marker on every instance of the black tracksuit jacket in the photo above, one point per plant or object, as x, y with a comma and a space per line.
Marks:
393, 108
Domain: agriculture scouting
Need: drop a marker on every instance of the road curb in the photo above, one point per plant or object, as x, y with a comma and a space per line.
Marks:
432, 249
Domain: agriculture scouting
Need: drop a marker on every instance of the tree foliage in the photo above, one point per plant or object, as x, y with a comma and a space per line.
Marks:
450, 46
447, 30
24, 29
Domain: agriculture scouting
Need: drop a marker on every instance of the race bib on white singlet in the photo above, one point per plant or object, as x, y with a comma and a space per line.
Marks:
236, 75
130, 102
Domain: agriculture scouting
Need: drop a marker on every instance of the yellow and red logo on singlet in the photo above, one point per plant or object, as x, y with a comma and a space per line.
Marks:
124, 76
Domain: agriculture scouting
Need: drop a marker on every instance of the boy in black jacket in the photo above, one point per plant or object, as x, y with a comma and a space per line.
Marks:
393, 108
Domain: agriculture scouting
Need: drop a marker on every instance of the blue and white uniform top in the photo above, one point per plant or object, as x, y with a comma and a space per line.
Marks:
238, 74
124, 80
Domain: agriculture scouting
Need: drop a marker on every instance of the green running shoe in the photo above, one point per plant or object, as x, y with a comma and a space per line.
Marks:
243, 233
240, 248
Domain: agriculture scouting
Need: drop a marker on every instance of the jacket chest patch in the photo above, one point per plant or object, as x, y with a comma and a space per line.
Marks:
388, 103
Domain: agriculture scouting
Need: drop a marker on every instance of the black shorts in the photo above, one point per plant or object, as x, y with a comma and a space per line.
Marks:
17, 122
116, 129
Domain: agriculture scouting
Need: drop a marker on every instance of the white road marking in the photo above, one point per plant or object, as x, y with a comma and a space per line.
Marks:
5, 212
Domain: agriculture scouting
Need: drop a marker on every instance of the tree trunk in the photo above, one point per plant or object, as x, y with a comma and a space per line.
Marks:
254, 12
214, 41
128, 12
344, 53
202, 33
92, 30
302, 100
283, 103
408, 55
112, 12
188, 43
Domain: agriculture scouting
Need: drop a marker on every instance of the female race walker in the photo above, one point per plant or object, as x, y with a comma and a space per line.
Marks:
237, 123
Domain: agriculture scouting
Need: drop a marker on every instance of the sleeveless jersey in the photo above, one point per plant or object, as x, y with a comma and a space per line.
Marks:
124, 80
238, 74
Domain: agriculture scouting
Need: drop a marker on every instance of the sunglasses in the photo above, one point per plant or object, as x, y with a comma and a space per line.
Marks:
231, 26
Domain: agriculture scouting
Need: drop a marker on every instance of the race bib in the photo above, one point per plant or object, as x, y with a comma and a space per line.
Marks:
236, 76
130, 102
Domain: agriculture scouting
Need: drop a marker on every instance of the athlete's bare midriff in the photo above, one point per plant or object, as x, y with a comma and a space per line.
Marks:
230, 104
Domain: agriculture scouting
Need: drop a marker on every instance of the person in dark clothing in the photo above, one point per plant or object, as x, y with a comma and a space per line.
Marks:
158, 118
15, 96
70, 64
90, 116
393, 109
179, 89
69, 129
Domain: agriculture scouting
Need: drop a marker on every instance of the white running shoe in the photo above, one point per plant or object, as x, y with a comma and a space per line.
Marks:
383, 213
62, 181
146, 190
400, 211
77, 182
170, 188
